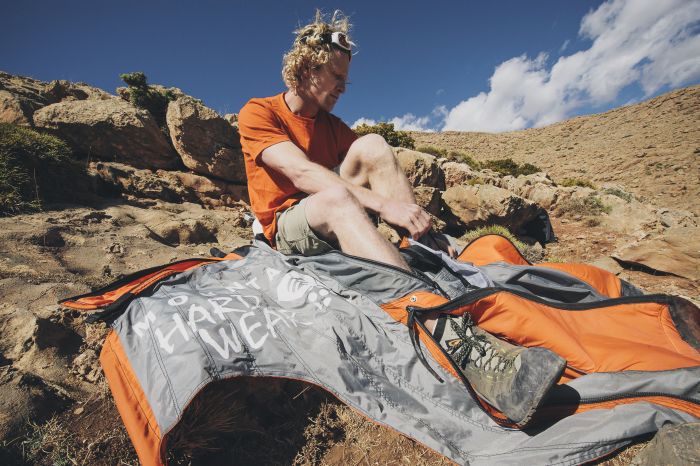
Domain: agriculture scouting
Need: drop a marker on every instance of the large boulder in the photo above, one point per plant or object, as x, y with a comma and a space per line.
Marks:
457, 173
475, 206
420, 169
110, 130
206, 142
21, 96
676, 251
673, 445
170, 186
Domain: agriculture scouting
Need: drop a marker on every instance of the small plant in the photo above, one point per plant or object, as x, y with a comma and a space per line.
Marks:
436, 151
475, 181
590, 206
570, 182
386, 130
510, 167
29, 162
620, 193
148, 98
463, 157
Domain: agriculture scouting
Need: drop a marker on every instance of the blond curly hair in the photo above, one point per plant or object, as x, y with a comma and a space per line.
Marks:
307, 51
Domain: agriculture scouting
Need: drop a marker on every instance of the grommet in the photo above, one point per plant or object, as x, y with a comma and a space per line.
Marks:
414, 298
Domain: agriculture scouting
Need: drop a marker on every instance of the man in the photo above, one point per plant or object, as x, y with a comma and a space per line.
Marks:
293, 144
312, 182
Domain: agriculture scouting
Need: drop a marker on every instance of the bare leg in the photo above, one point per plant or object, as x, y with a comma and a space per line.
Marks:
335, 213
371, 163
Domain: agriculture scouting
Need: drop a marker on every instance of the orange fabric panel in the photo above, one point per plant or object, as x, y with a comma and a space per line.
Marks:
603, 281
131, 402
492, 248
638, 336
137, 285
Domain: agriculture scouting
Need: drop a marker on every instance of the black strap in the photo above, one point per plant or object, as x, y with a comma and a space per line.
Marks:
415, 340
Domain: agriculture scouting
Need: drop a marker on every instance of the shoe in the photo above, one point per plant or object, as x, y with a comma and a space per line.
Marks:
513, 379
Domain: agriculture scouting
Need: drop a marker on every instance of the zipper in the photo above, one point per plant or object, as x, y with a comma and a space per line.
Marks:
483, 292
415, 274
622, 396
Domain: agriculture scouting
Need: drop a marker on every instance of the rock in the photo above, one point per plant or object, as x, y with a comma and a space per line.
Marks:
609, 264
189, 231
672, 444
20, 97
537, 187
65, 91
125, 92
87, 366
420, 169
457, 173
25, 397
428, 198
206, 142
676, 251
474, 206
170, 186
110, 130
232, 118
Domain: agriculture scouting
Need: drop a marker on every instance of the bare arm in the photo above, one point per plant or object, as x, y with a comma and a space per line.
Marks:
310, 177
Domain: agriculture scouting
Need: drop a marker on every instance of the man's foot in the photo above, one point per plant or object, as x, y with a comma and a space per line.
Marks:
513, 379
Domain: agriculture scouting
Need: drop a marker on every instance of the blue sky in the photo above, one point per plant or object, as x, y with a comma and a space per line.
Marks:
486, 66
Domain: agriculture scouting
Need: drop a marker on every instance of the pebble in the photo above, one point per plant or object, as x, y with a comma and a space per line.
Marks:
79, 410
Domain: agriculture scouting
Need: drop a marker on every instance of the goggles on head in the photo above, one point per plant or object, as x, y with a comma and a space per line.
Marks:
337, 40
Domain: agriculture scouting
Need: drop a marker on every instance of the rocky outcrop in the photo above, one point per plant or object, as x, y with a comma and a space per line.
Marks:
475, 206
21, 96
420, 169
673, 445
170, 186
110, 130
676, 251
206, 142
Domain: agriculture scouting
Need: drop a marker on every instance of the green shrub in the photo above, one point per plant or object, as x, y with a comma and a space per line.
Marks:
148, 98
386, 130
29, 164
590, 205
510, 167
569, 182
620, 193
436, 151
463, 157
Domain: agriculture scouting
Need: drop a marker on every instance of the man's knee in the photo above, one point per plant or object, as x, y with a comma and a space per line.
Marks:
336, 201
372, 151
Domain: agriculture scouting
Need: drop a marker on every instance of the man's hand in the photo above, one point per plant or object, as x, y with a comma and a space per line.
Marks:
410, 217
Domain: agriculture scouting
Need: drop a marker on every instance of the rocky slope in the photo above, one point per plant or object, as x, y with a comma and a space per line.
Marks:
162, 194
651, 148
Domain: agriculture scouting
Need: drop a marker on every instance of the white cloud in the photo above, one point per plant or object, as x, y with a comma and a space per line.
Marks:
564, 46
649, 42
407, 122
363, 121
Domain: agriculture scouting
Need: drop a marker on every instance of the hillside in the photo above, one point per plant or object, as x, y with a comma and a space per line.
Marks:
652, 148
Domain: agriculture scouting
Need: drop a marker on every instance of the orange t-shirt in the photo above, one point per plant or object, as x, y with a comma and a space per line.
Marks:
262, 123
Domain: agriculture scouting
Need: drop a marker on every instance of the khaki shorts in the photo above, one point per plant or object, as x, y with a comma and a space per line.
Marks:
295, 236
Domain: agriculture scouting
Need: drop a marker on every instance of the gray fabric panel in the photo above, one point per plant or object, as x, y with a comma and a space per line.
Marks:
382, 284
261, 316
550, 284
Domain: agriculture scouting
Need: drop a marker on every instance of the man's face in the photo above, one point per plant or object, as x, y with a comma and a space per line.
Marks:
328, 82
